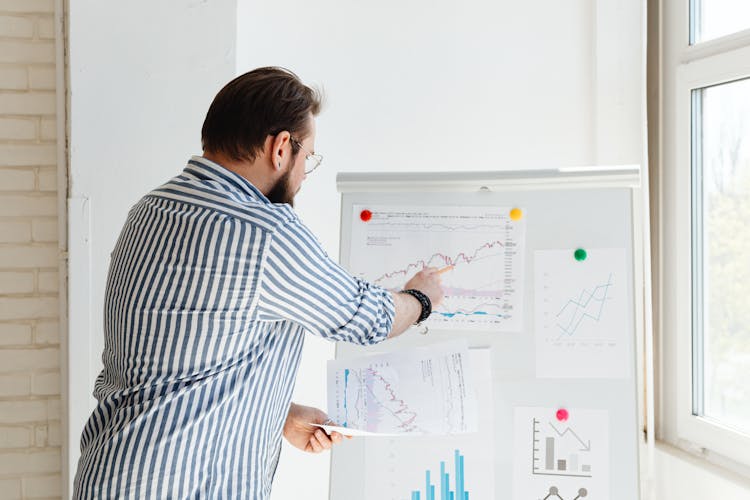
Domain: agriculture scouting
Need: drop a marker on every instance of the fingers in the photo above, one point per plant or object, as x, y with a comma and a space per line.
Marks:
314, 445
320, 441
337, 437
429, 281
435, 273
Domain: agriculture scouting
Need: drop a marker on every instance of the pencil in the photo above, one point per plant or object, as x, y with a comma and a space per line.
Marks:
444, 270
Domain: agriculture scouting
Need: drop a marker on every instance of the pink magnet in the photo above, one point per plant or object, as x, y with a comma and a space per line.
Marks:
562, 415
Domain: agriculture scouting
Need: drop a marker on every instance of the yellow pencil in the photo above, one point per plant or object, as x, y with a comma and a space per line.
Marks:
444, 270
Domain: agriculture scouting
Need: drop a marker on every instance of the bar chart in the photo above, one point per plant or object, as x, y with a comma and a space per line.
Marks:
561, 452
452, 467
556, 461
444, 482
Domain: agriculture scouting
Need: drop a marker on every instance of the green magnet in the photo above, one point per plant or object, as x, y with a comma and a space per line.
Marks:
580, 255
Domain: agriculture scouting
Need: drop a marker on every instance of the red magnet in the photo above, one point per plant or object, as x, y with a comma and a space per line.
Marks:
562, 415
365, 215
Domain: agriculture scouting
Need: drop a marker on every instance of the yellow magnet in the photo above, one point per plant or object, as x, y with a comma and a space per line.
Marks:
516, 214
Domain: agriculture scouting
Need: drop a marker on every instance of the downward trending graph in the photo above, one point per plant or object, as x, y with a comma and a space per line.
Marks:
560, 458
548, 457
581, 322
370, 400
413, 391
484, 246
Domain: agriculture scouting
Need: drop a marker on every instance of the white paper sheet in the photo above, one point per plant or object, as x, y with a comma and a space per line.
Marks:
422, 390
554, 460
346, 431
581, 320
484, 291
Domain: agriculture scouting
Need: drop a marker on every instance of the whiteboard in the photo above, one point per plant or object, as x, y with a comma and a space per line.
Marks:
590, 208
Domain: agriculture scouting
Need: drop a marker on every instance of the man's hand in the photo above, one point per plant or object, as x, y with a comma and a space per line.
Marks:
429, 283
306, 437
408, 308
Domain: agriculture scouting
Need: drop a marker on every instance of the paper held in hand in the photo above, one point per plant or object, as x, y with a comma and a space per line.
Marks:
419, 391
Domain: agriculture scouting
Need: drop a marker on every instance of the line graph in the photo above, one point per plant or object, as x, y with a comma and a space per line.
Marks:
417, 391
581, 321
440, 260
484, 246
375, 400
577, 310
586, 446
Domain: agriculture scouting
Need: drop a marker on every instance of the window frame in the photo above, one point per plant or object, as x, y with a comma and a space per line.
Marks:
685, 68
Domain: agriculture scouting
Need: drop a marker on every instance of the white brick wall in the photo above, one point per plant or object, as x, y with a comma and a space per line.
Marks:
30, 455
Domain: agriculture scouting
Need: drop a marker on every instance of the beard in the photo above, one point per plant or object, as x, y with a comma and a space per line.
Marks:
281, 192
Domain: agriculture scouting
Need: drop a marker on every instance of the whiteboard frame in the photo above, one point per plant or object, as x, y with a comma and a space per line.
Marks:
614, 176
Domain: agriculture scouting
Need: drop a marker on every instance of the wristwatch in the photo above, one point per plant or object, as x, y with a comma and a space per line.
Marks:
424, 300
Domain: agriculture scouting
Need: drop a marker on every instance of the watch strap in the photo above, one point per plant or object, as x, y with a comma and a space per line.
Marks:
425, 302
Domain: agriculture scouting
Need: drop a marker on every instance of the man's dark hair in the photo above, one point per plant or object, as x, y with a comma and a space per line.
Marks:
262, 102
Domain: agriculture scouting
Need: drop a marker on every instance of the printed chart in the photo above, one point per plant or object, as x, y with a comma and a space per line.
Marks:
483, 291
423, 390
557, 459
444, 483
581, 319
437, 468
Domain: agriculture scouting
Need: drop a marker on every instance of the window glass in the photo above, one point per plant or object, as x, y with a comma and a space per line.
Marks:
721, 253
716, 18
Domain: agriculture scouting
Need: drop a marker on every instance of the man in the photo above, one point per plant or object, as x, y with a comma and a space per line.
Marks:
212, 284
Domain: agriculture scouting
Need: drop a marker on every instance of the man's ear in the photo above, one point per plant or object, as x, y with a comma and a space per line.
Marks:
278, 151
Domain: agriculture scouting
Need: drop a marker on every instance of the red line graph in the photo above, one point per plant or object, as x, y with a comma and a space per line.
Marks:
405, 416
440, 260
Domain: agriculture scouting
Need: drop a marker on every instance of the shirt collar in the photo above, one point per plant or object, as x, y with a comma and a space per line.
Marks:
209, 170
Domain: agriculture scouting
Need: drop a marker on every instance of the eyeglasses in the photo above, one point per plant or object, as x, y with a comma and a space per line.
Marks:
312, 161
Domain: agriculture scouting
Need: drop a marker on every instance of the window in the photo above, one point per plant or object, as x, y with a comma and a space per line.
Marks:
704, 229
721, 253
711, 19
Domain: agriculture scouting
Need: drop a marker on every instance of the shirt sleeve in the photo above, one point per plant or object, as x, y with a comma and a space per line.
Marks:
300, 283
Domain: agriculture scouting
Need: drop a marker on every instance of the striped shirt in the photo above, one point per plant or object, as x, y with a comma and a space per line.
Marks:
210, 290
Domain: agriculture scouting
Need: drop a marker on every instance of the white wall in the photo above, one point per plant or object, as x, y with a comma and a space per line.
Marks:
422, 85
142, 75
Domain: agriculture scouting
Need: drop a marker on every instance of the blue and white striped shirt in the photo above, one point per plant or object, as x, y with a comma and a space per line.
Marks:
210, 290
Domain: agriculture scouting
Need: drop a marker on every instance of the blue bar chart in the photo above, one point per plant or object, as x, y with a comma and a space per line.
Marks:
444, 481
452, 467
